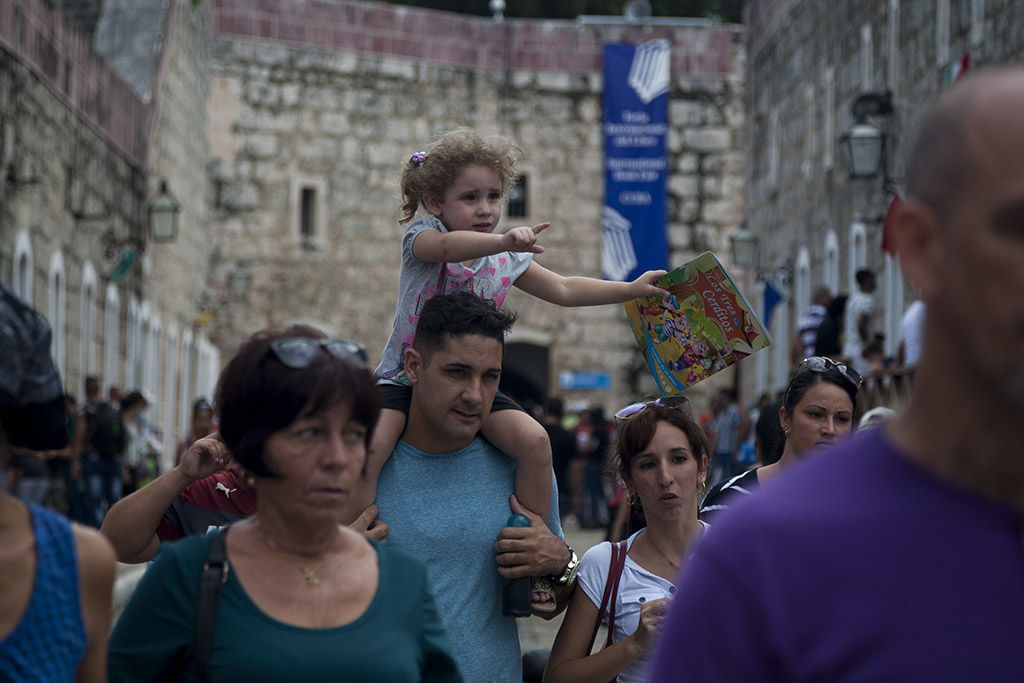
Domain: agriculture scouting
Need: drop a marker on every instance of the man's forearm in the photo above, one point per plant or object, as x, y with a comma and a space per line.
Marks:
131, 524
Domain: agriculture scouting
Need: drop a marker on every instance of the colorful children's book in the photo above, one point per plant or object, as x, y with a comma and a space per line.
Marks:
704, 327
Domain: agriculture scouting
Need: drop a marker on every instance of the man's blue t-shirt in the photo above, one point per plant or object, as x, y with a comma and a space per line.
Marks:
449, 508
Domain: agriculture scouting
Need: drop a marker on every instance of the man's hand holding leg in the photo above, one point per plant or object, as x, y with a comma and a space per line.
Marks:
533, 551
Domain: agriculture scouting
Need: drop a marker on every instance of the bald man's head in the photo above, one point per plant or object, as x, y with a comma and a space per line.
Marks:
959, 234
943, 157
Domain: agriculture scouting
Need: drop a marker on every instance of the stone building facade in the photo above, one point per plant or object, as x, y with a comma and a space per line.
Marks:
246, 110
327, 100
807, 63
81, 154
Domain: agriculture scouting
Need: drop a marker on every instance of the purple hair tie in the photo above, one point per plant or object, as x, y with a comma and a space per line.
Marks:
418, 158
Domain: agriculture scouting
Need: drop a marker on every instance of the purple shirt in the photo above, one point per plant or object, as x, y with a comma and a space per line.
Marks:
856, 566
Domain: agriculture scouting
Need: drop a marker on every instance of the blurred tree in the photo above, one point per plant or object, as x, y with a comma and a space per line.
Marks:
728, 11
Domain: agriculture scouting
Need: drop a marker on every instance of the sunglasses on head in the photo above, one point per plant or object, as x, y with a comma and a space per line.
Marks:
298, 352
824, 364
634, 409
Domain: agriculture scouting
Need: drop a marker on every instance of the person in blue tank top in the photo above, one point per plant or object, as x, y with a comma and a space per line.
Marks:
58, 577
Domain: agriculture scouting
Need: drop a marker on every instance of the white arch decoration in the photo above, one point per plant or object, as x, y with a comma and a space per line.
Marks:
832, 261
187, 395
21, 276
171, 435
87, 327
893, 305
142, 353
57, 311
858, 251
154, 380
111, 336
802, 283
131, 346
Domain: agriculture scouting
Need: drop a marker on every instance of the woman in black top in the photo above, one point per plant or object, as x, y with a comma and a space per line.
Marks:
817, 410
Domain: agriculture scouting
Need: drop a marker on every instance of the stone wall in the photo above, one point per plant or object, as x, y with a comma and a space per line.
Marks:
330, 96
336, 96
87, 154
74, 132
808, 61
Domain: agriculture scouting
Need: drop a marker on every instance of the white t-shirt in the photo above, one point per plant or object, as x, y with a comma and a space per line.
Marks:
912, 332
859, 303
636, 587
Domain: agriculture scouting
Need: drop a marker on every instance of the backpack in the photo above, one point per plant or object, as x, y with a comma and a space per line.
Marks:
106, 430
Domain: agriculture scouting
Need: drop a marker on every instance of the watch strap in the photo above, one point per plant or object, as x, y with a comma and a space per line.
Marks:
570, 569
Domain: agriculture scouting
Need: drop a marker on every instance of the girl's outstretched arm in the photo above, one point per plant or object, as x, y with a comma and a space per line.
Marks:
463, 245
544, 284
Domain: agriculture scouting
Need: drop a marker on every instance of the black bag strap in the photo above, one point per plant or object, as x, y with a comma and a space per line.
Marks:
215, 574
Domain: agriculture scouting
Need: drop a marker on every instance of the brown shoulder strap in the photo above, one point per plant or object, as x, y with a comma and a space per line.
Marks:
611, 589
620, 563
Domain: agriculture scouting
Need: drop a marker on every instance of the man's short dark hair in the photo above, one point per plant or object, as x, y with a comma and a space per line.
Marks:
863, 276
457, 315
92, 386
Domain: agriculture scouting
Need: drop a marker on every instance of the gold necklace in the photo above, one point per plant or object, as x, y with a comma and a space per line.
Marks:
309, 573
658, 550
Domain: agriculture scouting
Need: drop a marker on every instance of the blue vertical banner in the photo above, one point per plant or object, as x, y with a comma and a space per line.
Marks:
636, 80
772, 298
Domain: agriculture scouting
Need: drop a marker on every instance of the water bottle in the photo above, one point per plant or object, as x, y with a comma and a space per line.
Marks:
516, 597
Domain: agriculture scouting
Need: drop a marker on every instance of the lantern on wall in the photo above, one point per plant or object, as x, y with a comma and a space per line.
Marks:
865, 142
163, 216
743, 244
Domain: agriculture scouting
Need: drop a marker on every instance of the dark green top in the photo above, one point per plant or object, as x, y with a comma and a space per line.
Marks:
398, 638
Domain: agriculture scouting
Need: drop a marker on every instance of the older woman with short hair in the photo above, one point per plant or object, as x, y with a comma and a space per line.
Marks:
304, 597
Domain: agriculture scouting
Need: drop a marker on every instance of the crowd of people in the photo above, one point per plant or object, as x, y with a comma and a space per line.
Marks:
326, 521
843, 327
112, 449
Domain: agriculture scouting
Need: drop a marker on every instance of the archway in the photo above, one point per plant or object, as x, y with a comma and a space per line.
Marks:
524, 373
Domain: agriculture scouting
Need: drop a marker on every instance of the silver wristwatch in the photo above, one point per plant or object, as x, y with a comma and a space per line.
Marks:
570, 569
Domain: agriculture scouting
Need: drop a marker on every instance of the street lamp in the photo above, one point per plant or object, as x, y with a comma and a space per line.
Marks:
866, 141
498, 10
743, 244
239, 283
163, 216
866, 144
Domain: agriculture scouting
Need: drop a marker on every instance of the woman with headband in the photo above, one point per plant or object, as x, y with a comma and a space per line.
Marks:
817, 411
662, 456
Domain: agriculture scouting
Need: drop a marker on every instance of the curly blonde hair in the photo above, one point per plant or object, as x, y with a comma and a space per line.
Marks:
446, 159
